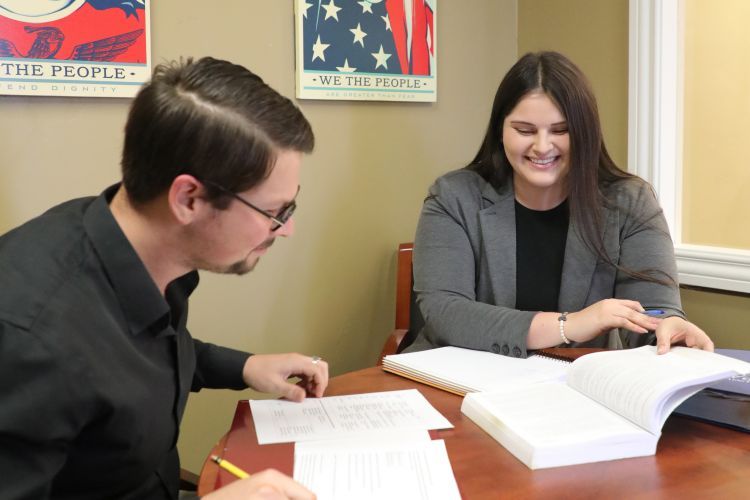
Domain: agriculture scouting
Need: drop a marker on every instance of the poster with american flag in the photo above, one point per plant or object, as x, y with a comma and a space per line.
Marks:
367, 50
86, 48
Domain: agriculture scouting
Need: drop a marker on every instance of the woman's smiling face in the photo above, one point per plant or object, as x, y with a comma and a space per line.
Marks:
537, 145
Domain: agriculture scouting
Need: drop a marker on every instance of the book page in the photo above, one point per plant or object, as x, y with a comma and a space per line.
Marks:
576, 420
466, 370
645, 387
280, 421
551, 425
402, 469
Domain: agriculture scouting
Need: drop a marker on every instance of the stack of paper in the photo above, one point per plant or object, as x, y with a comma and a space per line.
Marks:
363, 446
394, 465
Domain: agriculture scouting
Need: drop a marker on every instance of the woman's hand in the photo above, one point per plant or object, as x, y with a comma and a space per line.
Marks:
675, 329
607, 314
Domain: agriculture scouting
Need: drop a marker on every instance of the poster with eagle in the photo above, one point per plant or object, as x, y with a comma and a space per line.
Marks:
371, 50
83, 48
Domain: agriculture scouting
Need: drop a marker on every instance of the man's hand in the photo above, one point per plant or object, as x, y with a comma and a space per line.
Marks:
270, 373
267, 485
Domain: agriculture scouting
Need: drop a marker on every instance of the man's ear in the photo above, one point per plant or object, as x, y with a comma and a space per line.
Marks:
186, 198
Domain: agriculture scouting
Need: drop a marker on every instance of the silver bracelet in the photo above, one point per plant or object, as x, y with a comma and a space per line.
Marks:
562, 319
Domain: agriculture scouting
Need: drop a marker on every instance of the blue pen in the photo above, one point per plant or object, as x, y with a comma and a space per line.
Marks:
653, 312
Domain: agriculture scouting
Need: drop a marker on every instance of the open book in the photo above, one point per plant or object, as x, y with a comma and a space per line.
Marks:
612, 405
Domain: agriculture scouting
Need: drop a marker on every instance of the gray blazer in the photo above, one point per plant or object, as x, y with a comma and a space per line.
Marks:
465, 265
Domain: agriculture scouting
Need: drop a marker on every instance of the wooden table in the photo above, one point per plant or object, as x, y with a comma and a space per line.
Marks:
693, 459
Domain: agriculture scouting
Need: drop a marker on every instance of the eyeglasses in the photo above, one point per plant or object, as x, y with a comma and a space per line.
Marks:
278, 220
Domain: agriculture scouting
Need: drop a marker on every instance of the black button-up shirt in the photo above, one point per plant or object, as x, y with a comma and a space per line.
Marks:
95, 364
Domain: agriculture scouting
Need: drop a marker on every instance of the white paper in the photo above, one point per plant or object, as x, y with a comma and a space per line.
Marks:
372, 439
332, 417
410, 470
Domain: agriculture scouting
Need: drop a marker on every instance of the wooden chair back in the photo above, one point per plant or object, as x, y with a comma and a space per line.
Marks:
403, 285
403, 300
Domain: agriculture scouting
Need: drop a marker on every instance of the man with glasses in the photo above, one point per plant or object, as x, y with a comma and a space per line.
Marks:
96, 361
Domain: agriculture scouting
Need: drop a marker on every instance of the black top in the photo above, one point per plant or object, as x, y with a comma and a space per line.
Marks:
540, 252
95, 365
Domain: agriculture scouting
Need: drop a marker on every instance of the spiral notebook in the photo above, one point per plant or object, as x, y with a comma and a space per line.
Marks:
461, 371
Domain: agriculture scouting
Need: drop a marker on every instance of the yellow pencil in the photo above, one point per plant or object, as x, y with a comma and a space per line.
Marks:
230, 467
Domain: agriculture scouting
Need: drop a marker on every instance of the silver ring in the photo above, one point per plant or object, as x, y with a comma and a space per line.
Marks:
315, 359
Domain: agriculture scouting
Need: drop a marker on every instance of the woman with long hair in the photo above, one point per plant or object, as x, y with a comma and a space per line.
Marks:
542, 240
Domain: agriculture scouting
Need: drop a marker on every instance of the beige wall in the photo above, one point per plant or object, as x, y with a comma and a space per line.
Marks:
329, 290
594, 33
715, 183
